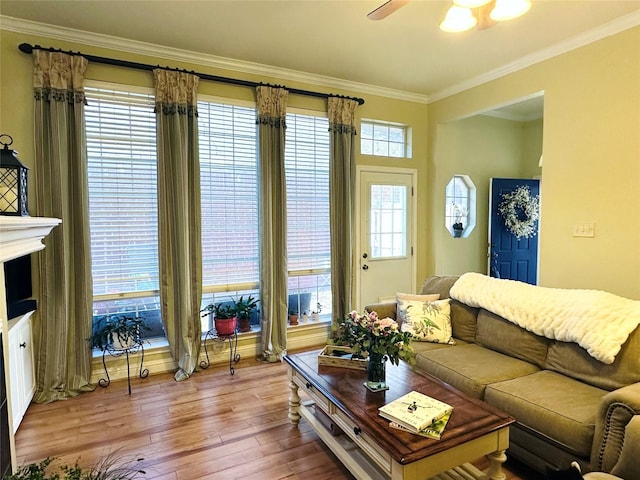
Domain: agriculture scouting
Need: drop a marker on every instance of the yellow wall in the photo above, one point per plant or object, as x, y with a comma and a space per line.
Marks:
481, 147
532, 148
591, 166
591, 151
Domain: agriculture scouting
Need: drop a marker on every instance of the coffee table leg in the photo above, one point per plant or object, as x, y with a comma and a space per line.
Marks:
294, 400
496, 460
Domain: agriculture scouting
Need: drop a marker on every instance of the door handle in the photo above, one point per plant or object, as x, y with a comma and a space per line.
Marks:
365, 267
364, 255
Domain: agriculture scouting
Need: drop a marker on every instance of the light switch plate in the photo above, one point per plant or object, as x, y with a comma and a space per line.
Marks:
584, 230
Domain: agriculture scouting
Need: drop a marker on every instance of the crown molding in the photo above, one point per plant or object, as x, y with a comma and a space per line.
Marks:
611, 28
142, 48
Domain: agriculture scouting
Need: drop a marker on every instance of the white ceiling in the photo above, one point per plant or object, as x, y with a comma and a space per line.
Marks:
406, 52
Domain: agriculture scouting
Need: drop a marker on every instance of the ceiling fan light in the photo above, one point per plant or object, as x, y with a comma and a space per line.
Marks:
470, 3
458, 19
508, 9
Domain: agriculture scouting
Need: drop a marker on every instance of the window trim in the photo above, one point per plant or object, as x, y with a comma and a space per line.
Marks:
470, 216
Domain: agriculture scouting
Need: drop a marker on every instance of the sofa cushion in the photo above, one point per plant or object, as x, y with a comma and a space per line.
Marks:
422, 348
383, 310
463, 317
425, 297
403, 300
551, 404
506, 337
572, 360
471, 368
463, 321
440, 284
428, 321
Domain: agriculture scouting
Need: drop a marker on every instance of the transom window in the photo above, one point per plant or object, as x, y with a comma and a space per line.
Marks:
384, 139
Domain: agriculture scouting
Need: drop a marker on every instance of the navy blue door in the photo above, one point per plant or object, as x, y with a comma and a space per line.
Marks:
509, 257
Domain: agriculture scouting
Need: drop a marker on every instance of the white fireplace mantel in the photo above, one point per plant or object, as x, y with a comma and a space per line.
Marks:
23, 235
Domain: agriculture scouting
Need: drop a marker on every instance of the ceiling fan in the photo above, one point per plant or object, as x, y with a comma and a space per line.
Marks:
465, 14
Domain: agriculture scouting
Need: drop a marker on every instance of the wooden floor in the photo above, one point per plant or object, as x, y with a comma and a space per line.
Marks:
212, 426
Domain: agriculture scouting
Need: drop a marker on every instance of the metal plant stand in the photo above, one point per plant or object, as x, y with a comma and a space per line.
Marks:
137, 345
234, 357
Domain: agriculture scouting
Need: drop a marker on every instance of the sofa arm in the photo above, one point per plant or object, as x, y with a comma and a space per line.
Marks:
628, 465
383, 310
616, 410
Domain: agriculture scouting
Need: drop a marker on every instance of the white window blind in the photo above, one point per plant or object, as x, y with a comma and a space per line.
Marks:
307, 171
122, 171
229, 192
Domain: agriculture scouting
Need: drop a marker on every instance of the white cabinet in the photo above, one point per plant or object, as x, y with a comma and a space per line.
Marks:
22, 383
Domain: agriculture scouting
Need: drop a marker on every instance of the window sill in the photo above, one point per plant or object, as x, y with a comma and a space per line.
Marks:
158, 358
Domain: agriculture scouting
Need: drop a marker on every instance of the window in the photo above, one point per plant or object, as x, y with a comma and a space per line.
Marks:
388, 220
229, 193
121, 141
384, 139
308, 241
460, 205
122, 171
230, 210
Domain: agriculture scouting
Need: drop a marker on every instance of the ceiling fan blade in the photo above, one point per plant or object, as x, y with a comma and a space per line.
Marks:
386, 9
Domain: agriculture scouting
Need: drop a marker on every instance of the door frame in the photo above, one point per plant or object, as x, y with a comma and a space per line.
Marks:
413, 173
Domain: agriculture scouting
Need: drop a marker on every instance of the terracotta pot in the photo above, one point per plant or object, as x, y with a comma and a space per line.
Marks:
225, 326
244, 325
293, 319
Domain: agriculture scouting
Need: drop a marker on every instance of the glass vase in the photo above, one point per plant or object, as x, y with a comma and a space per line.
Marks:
376, 374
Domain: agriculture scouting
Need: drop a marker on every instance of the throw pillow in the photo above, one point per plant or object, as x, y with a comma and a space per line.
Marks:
402, 298
428, 321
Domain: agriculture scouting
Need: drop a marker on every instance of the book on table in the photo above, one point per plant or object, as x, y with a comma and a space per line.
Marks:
415, 411
432, 431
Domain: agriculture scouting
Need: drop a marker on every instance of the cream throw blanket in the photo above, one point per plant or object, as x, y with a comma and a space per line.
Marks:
599, 322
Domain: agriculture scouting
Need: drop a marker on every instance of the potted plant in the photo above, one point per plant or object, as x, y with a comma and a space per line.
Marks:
459, 211
293, 317
244, 310
224, 317
110, 468
119, 332
315, 315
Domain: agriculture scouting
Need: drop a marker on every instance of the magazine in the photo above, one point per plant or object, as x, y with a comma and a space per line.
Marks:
415, 411
432, 431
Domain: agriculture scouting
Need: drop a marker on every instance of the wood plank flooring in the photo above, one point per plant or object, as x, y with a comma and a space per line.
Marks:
212, 426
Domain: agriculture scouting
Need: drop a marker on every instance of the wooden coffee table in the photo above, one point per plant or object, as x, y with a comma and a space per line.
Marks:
344, 414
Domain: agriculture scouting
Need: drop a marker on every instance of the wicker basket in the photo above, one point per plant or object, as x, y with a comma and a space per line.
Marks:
326, 358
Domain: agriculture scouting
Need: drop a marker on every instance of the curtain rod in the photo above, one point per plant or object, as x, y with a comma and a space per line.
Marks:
27, 48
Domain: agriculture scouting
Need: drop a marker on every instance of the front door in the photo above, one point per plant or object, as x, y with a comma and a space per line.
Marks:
386, 261
510, 257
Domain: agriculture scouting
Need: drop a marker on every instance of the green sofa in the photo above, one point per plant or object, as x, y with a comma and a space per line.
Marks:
568, 405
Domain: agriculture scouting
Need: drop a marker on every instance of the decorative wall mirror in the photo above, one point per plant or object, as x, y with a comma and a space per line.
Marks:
460, 206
